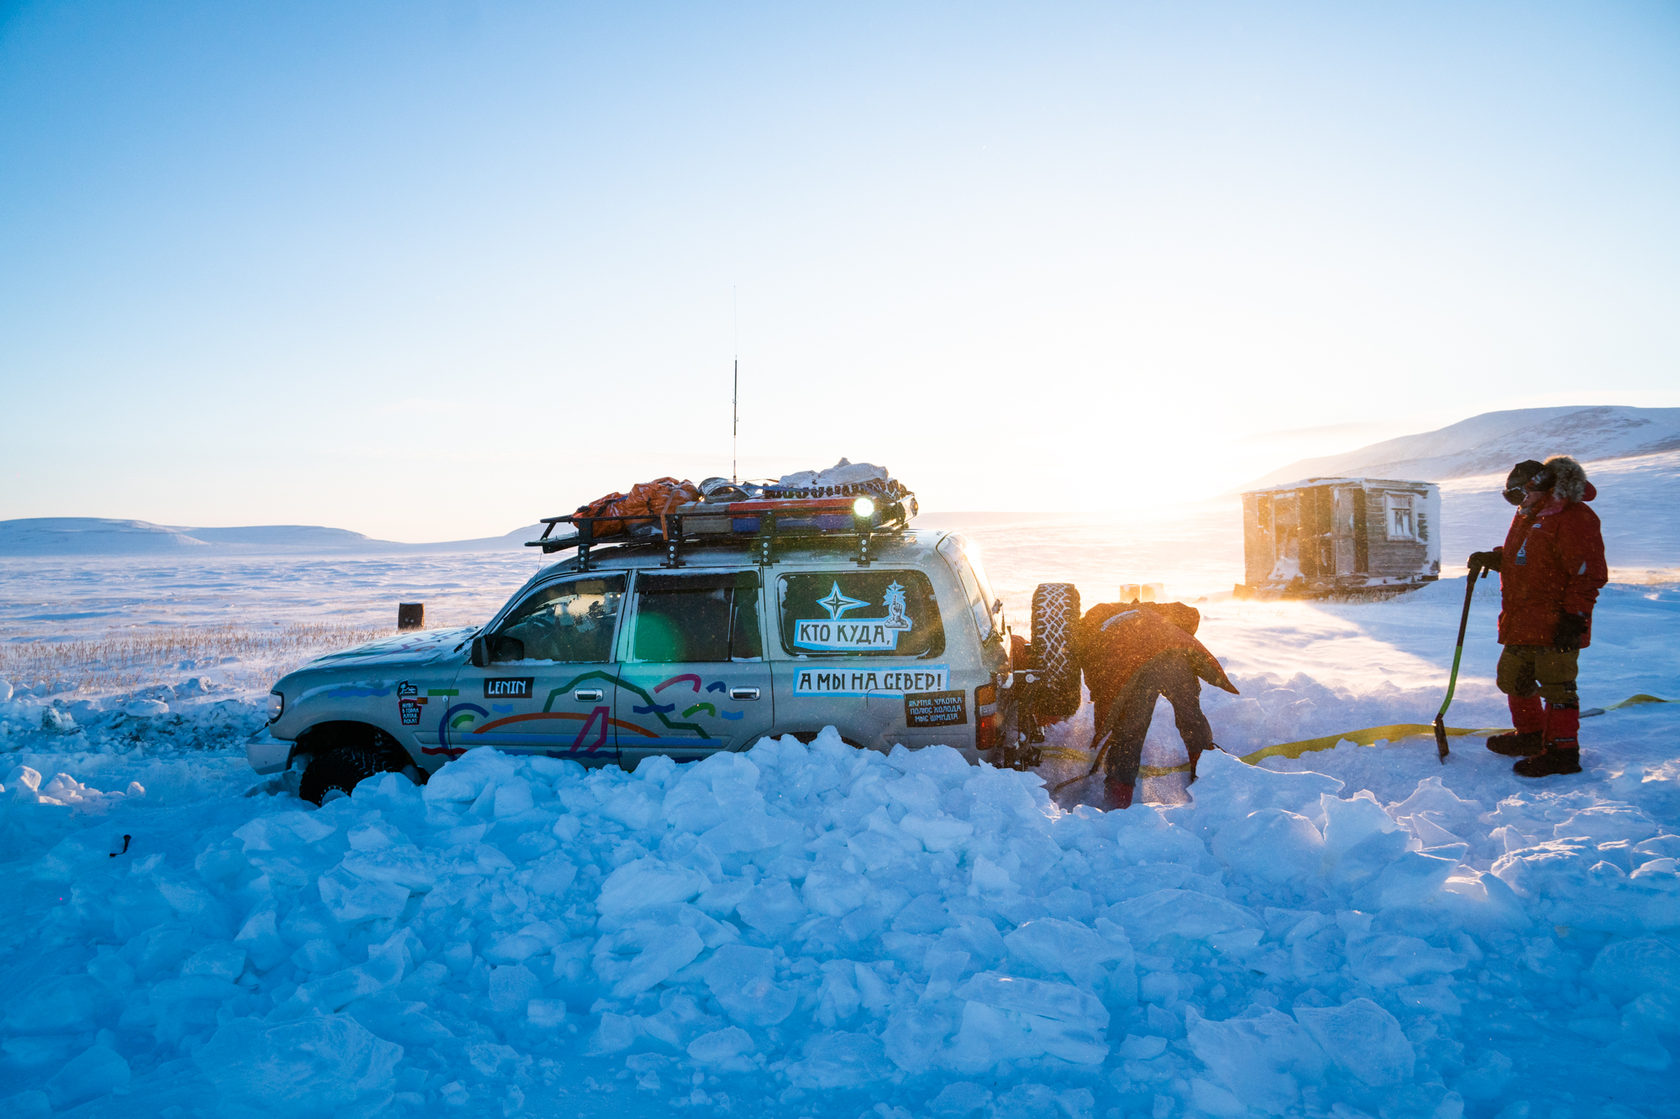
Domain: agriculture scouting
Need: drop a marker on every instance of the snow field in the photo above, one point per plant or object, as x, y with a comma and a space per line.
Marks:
814, 930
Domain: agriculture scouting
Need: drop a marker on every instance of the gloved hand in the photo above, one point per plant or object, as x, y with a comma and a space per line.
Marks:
1485, 561
1570, 629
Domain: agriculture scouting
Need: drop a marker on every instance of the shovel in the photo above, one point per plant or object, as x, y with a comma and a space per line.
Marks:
1458, 651
1096, 764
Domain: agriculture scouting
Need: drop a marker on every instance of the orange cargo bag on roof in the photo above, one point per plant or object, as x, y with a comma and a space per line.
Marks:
645, 500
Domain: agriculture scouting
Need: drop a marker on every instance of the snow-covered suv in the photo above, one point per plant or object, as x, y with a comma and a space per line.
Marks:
730, 622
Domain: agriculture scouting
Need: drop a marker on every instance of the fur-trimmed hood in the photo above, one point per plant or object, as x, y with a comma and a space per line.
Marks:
1569, 481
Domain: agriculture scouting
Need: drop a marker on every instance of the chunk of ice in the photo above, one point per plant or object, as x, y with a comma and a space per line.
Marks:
1362, 1038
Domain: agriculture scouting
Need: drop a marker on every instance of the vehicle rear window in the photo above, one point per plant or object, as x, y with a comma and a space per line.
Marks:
875, 613
691, 618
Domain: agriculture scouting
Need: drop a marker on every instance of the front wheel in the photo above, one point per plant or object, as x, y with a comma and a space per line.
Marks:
341, 769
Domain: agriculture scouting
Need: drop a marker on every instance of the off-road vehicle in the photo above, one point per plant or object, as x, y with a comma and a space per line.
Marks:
703, 628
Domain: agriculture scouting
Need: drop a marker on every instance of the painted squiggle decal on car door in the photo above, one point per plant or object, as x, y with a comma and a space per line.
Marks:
453, 732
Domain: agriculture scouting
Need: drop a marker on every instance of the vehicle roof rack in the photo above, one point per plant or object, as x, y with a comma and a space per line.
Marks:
766, 520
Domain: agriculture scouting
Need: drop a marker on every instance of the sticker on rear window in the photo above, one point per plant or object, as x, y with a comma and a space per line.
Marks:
839, 633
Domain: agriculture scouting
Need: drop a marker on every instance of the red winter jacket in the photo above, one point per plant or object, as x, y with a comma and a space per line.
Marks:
1553, 563
1114, 641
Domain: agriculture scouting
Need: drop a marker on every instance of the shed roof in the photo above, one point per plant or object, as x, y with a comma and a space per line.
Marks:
1368, 483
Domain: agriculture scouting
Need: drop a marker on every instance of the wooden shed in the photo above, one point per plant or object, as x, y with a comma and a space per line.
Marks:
1326, 536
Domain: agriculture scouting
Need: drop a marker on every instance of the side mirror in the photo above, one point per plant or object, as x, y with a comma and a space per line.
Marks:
496, 647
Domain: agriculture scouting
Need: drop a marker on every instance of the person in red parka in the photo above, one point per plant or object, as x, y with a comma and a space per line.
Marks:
1550, 571
1132, 655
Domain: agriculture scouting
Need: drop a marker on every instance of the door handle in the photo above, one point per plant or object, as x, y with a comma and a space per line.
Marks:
588, 695
743, 693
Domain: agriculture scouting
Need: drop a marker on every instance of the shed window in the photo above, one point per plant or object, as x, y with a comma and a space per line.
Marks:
1402, 519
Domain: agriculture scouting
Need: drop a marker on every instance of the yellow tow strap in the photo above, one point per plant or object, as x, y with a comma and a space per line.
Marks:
1366, 736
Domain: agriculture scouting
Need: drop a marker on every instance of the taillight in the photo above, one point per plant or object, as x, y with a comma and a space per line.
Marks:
988, 728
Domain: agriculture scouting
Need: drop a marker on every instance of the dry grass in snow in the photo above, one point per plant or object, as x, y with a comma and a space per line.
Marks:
240, 655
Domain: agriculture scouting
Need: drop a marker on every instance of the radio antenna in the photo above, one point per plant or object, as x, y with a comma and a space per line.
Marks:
735, 400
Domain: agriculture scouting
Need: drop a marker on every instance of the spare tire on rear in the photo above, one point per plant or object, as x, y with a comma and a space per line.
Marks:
1055, 614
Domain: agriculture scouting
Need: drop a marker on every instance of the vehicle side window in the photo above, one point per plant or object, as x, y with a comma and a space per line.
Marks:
571, 620
861, 612
964, 558
693, 618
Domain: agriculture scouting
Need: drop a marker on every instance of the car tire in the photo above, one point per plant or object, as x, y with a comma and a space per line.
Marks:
342, 769
1055, 614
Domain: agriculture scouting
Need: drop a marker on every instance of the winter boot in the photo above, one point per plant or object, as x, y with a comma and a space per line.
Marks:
1117, 793
1517, 744
1562, 756
1562, 753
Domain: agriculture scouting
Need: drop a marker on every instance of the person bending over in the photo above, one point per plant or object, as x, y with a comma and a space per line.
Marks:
1132, 655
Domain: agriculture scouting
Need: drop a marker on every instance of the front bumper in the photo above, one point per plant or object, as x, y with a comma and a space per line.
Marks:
268, 754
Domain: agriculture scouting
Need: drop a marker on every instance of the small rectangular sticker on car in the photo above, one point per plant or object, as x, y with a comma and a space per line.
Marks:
841, 681
508, 687
410, 704
935, 709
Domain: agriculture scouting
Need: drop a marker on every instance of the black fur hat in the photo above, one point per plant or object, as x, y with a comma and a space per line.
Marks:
1516, 482
1565, 478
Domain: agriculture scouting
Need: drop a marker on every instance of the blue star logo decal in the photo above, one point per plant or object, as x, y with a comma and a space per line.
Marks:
837, 604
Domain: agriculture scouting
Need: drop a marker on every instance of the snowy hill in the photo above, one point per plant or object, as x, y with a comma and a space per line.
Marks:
52, 536
285, 536
1491, 442
104, 536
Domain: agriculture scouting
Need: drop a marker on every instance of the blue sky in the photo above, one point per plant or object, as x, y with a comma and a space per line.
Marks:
433, 270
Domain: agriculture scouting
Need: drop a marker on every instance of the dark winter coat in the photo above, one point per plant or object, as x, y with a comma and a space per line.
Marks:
1552, 562
1115, 641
